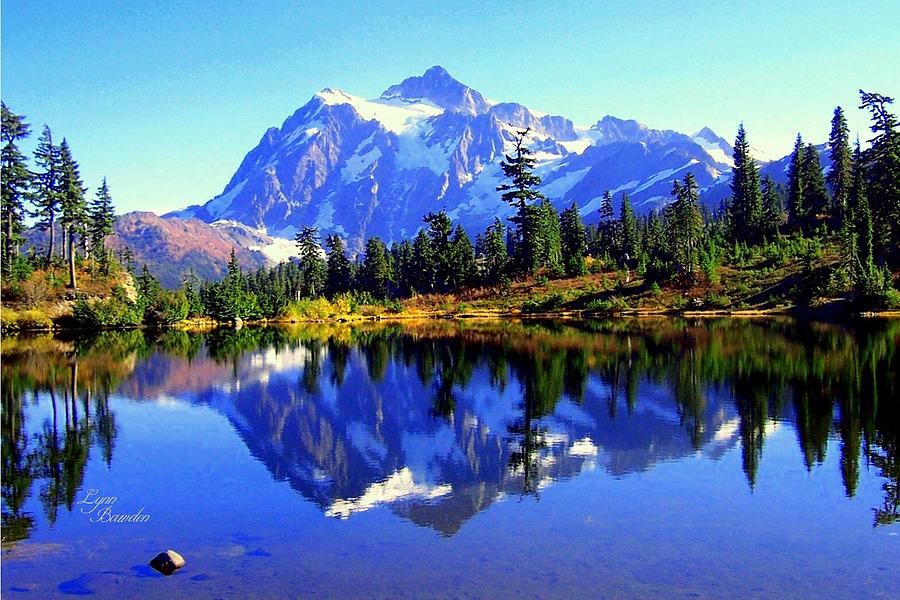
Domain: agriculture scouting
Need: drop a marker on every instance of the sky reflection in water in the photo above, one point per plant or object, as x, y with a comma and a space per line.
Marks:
628, 458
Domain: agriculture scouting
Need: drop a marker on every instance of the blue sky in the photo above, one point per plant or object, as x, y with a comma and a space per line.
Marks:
165, 98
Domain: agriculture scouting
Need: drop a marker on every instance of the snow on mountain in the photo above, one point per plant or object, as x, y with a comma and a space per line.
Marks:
361, 168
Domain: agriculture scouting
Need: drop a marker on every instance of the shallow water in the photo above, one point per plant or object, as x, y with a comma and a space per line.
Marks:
623, 459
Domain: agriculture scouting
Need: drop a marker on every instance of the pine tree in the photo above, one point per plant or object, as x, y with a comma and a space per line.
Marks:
796, 201
547, 239
841, 172
883, 160
685, 224
522, 194
338, 266
101, 217
73, 211
15, 182
496, 257
462, 259
574, 247
773, 207
48, 192
440, 227
864, 231
312, 267
814, 192
631, 241
375, 271
746, 197
423, 263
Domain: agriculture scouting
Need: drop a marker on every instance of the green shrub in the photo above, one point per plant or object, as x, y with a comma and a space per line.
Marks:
548, 303
109, 312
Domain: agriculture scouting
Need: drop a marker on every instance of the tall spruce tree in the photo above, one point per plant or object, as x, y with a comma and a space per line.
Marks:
440, 228
746, 197
631, 241
423, 263
48, 193
101, 217
814, 192
312, 267
521, 193
685, 225
375, 273
73, 209
547, 239
495, 261
338, 266
883, 160
773, 207
462, 259
574, 247
15, 182
797, 208
841, 173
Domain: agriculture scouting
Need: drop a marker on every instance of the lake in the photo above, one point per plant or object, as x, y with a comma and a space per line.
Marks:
634, 458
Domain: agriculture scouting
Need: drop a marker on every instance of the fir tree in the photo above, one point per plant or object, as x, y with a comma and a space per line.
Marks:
796, 201
440, 227
423, 263
312, 267
841, 172
338, 266
462, 259
773, 207
685, 225
15, 181
573, 241
814, 192
547, 239
746, 197
73, 210
375, 271
48, 192
630, 243
522, 194
101, 217
496, 256
883, 160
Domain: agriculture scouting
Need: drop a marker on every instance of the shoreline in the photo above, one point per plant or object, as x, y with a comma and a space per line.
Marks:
200, 325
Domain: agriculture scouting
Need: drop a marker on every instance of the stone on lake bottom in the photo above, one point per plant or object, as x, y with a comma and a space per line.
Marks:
167, 562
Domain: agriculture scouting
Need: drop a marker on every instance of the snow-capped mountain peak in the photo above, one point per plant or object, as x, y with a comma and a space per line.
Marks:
361, 168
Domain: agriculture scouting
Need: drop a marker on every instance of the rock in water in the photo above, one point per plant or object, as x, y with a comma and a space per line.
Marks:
167, 562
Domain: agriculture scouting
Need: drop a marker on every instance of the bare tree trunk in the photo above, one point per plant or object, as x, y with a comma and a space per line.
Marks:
71, 257
50, 247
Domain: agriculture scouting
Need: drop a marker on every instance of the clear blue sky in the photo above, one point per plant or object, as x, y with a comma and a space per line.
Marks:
165, 98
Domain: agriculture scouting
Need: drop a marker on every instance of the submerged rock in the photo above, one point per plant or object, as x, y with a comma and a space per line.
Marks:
167, 562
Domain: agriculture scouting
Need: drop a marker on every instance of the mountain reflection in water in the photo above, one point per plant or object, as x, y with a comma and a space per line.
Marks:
438, 420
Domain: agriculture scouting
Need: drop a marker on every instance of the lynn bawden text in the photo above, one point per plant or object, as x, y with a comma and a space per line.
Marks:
101, 509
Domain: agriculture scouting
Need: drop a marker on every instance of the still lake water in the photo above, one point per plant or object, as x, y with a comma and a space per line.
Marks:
624, 459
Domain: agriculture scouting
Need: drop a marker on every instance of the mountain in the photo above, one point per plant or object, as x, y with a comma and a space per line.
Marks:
362, 168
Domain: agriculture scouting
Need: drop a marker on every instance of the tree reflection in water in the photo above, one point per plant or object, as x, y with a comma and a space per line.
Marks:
824, 380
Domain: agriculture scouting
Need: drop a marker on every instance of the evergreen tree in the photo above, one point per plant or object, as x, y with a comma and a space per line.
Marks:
685, 225
462, 259
375, 271
440, 228
403, 267
522, 194
15, 181
814, 192
746, 197
423, 263
573, 241
796, 201
864, 230
101, 217
338, 266
48, 192
841, 172
630, 243
312, 268
883, 160
495, 256
72, 206
773, 207
547, 239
